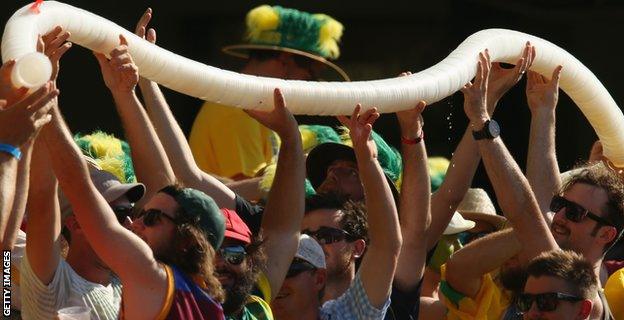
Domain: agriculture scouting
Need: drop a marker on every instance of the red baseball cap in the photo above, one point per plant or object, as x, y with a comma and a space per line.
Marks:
235, 227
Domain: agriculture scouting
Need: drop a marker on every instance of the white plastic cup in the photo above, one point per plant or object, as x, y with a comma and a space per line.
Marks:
31, 71
74, 313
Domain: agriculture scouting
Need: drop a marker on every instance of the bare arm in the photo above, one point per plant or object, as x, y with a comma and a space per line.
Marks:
150, 160
466, 267
542, 166
282, 217
379, 263
44, 225
8, 168
135, 264
414, 211
172, 138
512, 189
466, 156
19, 202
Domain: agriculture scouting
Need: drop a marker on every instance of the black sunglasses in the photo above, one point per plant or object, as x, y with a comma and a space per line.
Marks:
575, 212
153, 216
545, 301
233, 255
327, 235
121, 212
298, 266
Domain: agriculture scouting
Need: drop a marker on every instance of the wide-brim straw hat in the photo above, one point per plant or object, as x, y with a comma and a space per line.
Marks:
477, 206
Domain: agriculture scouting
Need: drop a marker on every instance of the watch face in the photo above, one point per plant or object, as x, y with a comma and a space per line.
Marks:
494, 128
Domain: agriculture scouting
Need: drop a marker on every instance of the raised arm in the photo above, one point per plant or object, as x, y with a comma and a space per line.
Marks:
172, 138
125, 253
379, 262
19, 123
466, 156
414, 211
54, 45
467, 266
284, 209
148, 155
21, 195
542, 167
512, 189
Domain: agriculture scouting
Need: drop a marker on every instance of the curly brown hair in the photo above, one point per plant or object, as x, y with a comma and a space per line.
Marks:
194, 255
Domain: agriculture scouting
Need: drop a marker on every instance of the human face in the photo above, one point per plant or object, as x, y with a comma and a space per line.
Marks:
581, 236
340, 256
343, 178
298, 297
564, 309
158, 236
230, 273
122, 207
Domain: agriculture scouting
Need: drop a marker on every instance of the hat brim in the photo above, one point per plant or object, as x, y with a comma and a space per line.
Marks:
497, 221
323, 155
242, 51
133, 191
237, 236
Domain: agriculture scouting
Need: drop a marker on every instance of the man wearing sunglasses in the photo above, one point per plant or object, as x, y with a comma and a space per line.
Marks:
595, 189
49, 282
560, 285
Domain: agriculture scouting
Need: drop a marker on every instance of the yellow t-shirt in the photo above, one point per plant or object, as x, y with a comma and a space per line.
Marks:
491, 301
226, 141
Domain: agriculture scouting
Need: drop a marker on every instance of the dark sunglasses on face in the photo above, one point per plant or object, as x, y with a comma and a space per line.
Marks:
545, 301
121, 212
298, 266
233, 255
153, 216
575, 212
327, 235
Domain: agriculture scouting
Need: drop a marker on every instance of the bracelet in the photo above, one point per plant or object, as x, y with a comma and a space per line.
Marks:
14, 151
405, 140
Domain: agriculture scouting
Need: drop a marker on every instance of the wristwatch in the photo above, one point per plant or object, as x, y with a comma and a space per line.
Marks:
490, 130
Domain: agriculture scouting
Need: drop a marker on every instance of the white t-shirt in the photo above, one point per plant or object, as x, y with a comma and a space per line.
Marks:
67, 289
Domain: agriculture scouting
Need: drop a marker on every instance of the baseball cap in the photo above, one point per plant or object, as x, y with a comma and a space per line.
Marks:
310, 251
458, 224
235, 227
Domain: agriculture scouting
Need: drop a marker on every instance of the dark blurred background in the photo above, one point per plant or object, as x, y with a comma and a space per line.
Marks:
381, 39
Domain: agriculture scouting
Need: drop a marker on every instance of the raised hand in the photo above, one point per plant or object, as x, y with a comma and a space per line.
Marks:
475, 94
141, 27
120, 73
542, 93
54, 45
279, 119
501, 79
411, 121
21, 122
360, 127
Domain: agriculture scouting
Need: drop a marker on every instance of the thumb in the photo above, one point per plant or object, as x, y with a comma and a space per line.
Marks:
556, 75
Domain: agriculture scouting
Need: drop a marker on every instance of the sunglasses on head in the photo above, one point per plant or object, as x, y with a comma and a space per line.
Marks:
545, 301
575, 212
327, 235
153, 216
121, 212
233, 255
298, 266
